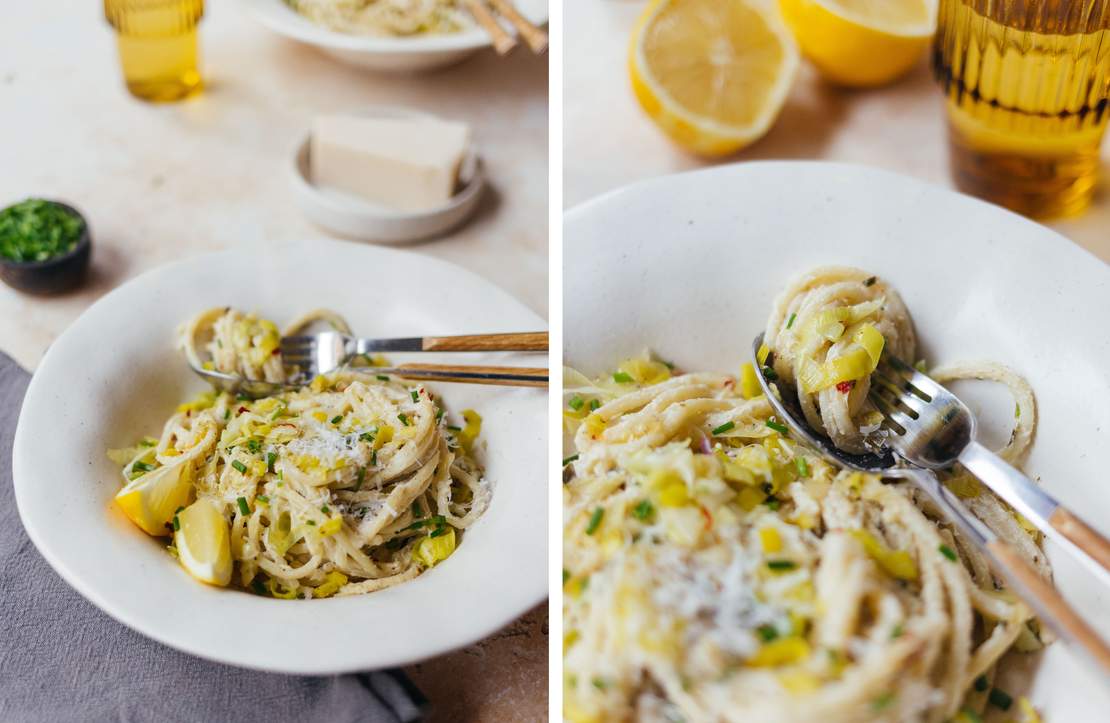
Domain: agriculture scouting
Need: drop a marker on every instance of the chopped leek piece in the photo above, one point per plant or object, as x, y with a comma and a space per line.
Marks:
332, 526
239, 466
331, 584
781, 651
802, 465
770, 540
896, 563
433, 550
790, 321
749, 383
595, 520
469, 434
646, 371
762, 354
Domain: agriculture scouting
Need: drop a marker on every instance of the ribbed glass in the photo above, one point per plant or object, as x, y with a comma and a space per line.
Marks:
1026, 80
157, 42
151, 18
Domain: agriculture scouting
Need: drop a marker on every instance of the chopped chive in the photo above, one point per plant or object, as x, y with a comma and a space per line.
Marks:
643, 510
767, 633
780, 428
262, 498
404, 419
772, 503
243, 508
870, 281
242, 398
576, 402
570, 459
594, 405
337, 419
417, 509
1000, 699
374, 458
270, 459
227, 414
239, 466
595, 521
897, 631
981, 683
415, 395
948, 552
882, 702
176, 523
439, 414
438, 532
723, 428
1017, 410
802, 465
361, 476
383, 377
366, 437
325, 510
258, 587
622, 378
790, 322
142, 467
253, 445
770, 374
416, 525
451, 428
599, 683
566, 575
781, 564
310, 522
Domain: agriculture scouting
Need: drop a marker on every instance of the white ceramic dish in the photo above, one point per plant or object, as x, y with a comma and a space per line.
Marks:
415, 53
353, 217
114, 376
715, 247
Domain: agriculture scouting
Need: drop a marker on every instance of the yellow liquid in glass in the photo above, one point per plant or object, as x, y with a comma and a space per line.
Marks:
1028, 87
157, 46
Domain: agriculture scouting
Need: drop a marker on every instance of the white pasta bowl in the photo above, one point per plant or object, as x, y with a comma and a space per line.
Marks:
114, 376
411, 53
689, 265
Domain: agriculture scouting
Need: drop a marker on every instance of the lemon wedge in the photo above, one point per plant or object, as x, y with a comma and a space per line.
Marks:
203, 542
861, 43
151, 500
712, 74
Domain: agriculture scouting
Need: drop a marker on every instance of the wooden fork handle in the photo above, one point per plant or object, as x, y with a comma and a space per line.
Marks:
1049, 604
1082, 535
502, 41
473, 374
536, 38
528, 341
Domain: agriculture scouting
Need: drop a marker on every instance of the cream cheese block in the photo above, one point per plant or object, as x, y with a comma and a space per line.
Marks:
407, 164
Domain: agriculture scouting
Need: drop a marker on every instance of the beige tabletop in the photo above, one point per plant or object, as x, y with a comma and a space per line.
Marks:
162, 182
609, 142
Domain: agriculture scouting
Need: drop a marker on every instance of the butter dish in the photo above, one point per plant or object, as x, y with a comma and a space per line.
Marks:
353, 216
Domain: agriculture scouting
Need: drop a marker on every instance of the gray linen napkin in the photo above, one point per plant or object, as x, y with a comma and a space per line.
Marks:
62, 659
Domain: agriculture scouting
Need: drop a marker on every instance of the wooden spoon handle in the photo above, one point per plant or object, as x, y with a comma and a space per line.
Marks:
527, 341
1082, 535
472, 374
1048, 603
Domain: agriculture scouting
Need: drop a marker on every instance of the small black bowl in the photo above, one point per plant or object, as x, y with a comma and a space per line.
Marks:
54, 275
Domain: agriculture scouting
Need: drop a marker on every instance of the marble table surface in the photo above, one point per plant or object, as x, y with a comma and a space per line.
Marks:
609, 142
159, 182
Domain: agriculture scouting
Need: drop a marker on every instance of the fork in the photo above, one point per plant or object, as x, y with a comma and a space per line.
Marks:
1049, 605
930, 427
324, 352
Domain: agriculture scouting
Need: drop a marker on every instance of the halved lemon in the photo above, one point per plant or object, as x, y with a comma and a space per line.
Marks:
151, 500
712, 74
203, 542
862, 43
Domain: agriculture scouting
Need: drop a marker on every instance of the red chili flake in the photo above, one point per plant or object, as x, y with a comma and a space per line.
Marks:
730, 383
845, 387
242, 409
708, 517
276, 351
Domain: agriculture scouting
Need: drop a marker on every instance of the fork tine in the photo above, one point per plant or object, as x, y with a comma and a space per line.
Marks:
890, 411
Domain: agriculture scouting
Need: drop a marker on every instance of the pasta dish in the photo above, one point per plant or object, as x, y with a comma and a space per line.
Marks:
352, 483
384, 17
715, 569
